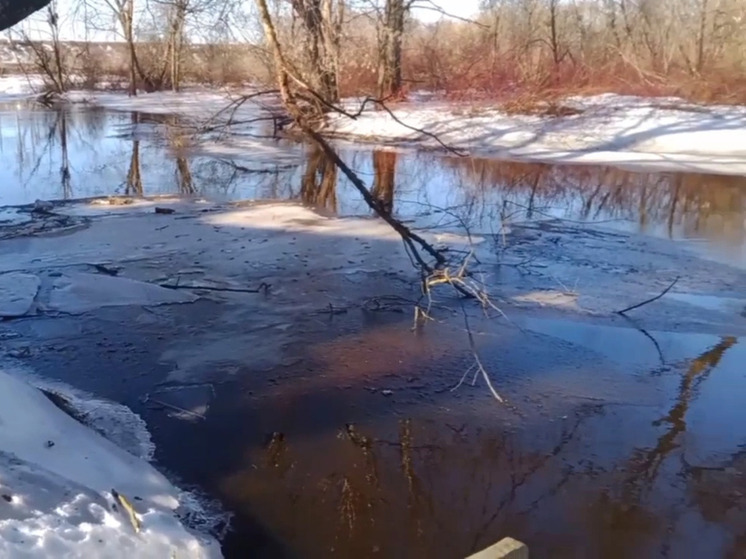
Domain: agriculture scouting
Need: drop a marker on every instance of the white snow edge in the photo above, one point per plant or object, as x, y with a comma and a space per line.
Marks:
56, 482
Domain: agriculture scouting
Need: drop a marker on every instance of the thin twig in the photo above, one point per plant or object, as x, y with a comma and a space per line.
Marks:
477, 360
661, 294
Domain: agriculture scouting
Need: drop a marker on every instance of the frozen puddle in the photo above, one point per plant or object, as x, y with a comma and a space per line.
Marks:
627, 345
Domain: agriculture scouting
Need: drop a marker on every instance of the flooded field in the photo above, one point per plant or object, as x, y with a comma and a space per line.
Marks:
318, 415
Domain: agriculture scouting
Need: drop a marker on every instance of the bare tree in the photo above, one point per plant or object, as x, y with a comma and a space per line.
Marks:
47, 50
124, 14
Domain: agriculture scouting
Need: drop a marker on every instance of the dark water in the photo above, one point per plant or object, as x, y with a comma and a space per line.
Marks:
343, 435
82, 152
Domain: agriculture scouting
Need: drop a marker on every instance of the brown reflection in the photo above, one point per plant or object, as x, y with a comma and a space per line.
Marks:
384, 168
696, 203
697, 373
439, 482
319, 181
184, 175
625, 516
134, 177
718, 492
64, 157
179, 144
430, 490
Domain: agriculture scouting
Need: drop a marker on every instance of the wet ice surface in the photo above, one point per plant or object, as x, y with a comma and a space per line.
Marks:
78, 293
17, 294
330, 428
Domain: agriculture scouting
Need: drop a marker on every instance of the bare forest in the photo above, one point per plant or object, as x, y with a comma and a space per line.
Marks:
511, 50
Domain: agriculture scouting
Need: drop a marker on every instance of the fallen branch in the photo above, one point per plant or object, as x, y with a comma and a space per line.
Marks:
661, 294
411, 240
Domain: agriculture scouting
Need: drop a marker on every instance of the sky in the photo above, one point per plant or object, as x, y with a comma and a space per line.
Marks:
73, 29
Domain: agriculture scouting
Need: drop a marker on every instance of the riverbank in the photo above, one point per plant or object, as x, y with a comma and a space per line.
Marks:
655, 134
652, 134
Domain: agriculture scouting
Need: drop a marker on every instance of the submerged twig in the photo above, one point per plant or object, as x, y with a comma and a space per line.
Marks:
661, 294
176, 408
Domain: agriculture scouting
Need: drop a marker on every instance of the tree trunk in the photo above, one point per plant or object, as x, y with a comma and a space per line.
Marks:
322, 44
389, 66
53, 19
702, 36
176, 42
126, 18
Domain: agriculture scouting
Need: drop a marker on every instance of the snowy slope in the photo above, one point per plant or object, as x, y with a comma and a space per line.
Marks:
58, 481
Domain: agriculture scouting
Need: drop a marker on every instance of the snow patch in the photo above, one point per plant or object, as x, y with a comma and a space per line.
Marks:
116, 422
58, 485
19, 87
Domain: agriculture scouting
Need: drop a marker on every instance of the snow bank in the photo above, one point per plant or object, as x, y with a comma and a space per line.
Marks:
657, 133
59, 481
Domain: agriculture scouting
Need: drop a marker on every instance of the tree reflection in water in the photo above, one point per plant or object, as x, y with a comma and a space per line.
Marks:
439, 488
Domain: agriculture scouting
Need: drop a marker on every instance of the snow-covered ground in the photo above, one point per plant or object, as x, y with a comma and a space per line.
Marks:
609, 129
67, 491
651, 133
